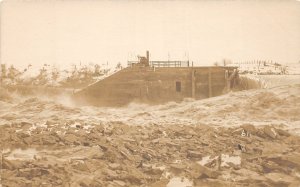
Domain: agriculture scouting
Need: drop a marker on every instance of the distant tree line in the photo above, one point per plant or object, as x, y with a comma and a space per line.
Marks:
75, 77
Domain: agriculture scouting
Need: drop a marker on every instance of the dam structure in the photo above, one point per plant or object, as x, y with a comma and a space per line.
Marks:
157, 82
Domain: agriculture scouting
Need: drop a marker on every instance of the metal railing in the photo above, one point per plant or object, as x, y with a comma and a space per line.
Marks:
162, 63
169, 63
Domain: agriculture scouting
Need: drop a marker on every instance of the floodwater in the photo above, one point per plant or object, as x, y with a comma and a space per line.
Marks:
278, 106
177, 144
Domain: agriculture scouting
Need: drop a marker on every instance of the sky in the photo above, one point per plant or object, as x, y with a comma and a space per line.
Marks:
64, 32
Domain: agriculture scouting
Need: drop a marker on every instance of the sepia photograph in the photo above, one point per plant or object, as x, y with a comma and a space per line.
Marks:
149, 93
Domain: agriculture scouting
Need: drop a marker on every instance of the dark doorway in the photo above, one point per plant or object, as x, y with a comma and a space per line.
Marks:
178, 86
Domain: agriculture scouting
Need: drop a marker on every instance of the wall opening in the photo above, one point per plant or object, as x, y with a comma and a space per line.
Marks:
178, 86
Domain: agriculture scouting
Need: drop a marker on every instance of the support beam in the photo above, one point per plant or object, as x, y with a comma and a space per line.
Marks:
193, 84
209, 83
227, 82
147, 57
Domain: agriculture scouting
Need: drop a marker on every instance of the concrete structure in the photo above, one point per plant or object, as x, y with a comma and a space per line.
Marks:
158, 85
156, 82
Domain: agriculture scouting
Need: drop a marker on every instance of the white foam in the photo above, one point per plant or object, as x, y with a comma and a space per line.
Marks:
19, 154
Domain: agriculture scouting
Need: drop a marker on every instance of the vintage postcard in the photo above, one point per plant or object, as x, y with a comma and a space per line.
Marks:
156, 93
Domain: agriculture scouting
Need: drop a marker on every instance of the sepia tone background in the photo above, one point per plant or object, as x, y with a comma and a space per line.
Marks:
72, 115
64, 32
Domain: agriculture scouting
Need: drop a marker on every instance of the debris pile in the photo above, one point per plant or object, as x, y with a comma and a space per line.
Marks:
117, 154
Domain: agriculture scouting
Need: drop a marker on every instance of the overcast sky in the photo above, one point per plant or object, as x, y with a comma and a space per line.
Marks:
62, 32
